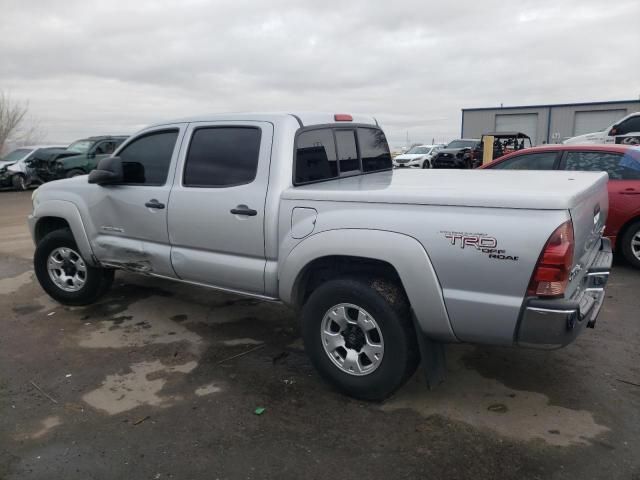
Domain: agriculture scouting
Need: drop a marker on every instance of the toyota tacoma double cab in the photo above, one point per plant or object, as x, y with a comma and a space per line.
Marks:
385, 267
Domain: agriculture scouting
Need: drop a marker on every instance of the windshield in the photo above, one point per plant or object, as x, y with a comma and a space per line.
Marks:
462, 144
81, 146
419, 151
16, 155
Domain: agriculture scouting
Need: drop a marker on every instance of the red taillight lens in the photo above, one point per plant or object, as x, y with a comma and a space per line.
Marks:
551, 275
343, 117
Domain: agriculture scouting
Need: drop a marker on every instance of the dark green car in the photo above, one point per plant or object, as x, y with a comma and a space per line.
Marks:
79, 158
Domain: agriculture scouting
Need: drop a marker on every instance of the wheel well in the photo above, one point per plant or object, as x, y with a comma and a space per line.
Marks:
623, 230
47, 225
327, 268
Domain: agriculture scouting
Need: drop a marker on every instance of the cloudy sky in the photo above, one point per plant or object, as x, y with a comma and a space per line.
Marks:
95, 66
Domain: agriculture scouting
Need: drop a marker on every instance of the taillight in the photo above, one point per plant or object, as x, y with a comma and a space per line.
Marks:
342, 117
551, 275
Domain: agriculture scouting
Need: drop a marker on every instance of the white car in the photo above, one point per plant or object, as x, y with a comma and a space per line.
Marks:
417, 157
624, 127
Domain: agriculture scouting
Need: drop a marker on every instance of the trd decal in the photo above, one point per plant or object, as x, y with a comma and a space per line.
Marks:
480, 242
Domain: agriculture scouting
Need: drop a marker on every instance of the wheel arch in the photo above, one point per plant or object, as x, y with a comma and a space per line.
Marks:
369, 251
56, 214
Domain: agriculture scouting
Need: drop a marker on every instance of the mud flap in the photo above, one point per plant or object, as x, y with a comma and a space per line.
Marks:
432, 356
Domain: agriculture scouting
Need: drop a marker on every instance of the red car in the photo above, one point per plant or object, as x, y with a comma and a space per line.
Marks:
621, 162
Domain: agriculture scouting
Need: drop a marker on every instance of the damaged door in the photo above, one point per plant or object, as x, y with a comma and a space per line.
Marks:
216, 213
130, 219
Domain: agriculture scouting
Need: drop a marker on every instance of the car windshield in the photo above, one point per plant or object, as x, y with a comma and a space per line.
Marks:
16, 155
418, 151
462, 144
81, 146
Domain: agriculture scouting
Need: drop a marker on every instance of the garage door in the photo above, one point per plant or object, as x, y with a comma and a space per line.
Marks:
596, 121
518, 122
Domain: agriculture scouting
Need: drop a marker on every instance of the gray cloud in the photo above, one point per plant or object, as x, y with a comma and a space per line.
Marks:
91, 67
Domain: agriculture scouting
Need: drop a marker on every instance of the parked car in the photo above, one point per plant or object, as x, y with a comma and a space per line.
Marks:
417, 157
15, 169
79, 158
385, 265
457, 154
503, 144
621, 162
628, 125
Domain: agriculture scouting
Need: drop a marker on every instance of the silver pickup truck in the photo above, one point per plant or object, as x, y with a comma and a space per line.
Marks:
385, 266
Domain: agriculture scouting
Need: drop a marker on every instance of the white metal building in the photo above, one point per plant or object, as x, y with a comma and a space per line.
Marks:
546, 123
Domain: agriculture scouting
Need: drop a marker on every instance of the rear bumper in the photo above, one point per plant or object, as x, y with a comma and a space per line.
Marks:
555, 323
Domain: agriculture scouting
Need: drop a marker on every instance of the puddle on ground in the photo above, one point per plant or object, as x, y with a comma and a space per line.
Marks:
207, 390
469, 397
46, 426
120, 393
13, 284
143, 323
241, 341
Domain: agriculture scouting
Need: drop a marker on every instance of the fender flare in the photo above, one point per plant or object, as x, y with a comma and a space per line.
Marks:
69, 212
403, 252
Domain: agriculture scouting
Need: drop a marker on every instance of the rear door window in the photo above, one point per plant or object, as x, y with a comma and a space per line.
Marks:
529, 161
619, 167
222, 157
347, 151
315, 156
374, 150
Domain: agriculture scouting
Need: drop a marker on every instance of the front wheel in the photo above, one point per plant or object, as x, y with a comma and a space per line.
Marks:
360, 337
19, 182
630, 244
426, 164
64, 274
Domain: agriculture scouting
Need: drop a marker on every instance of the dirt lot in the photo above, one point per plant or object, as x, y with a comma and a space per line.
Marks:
144, 385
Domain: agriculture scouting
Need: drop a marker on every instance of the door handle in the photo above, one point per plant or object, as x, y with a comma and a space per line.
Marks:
153, 203
244, 210
630, 191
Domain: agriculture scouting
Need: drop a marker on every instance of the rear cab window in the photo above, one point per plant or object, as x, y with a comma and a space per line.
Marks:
328, 152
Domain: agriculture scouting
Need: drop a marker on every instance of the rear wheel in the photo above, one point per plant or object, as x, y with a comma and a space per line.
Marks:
19, 182
64, 274
74, 173
360, 337
630, 244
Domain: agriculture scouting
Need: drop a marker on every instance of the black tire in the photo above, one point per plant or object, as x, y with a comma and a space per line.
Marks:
387, 304
425, 164
19, 182
74, 173
626, 242
97, 282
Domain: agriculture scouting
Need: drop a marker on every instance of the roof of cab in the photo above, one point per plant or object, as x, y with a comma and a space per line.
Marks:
305, 119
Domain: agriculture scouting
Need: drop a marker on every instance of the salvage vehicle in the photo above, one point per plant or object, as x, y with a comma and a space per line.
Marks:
386, 266
628, 125
79, 158
15, 169
457, 154
621, 162
503, 144
416, 157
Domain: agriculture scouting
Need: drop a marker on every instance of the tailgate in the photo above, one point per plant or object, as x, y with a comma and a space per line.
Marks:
589, 215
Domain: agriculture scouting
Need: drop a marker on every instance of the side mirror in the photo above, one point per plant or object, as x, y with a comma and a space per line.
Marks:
613, 131
109, 172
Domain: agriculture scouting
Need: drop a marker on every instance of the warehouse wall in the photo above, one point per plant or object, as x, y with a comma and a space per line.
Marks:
475, 122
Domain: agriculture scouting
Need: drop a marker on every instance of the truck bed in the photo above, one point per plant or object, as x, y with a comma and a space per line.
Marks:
539, 190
